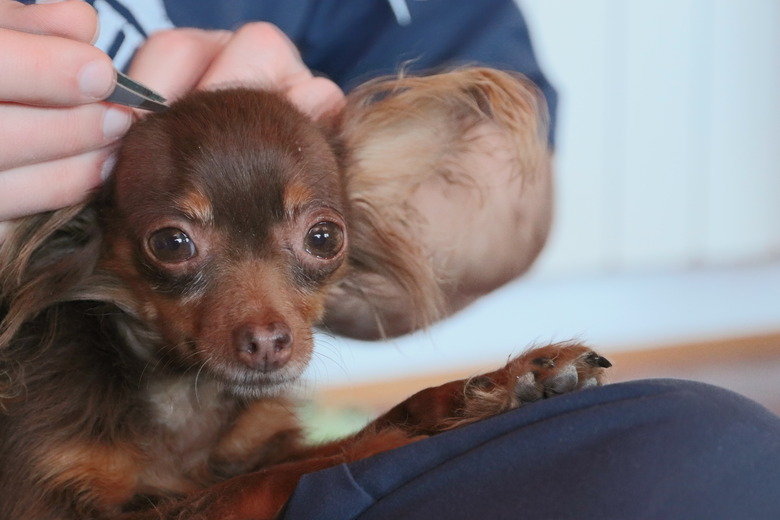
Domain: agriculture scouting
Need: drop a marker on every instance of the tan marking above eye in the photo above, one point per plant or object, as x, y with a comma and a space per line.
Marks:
196, 206
296, 195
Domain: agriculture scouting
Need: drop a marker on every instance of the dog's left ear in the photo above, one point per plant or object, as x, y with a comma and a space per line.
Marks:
45, 260
404, 144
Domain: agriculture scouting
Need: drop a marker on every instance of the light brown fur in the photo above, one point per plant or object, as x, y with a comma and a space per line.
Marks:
473, 133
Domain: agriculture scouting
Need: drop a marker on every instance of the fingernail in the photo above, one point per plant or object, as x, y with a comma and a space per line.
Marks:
96, 79
116, 121
97, 31
108, 166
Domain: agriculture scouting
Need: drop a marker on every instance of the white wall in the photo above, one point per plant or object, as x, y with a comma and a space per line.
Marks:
668, 151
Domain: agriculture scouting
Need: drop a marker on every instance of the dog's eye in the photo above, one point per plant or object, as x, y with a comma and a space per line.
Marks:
171, 245
324, 240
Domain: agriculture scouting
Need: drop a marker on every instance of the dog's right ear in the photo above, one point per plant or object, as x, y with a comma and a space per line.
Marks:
401, 137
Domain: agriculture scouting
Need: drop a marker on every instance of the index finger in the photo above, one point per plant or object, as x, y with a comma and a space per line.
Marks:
261, 55
173, 61
52, 71
73, 20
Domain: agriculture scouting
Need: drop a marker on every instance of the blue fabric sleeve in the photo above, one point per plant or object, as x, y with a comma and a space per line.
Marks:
351, 41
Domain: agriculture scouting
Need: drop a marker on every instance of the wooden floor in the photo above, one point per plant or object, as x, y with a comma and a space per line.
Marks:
749, 366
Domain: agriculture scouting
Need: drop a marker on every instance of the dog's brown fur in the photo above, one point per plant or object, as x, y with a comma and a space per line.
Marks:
150, 336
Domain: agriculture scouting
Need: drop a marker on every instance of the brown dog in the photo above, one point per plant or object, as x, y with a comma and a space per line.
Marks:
149, 337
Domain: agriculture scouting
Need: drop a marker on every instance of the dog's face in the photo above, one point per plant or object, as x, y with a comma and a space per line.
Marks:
225, 217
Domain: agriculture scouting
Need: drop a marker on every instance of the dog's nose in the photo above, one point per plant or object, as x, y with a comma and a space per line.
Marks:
263, 347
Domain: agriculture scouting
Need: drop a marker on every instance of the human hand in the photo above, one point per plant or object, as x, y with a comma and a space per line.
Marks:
176, 61
55, 138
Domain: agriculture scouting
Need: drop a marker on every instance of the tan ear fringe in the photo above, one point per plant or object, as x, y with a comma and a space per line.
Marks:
398, 132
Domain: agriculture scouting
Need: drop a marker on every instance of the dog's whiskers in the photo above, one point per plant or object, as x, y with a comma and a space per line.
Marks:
197, 379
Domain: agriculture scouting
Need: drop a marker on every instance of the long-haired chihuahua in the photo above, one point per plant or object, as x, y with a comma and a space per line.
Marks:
150, 337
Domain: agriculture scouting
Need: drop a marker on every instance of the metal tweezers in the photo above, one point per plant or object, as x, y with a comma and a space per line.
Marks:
132, 94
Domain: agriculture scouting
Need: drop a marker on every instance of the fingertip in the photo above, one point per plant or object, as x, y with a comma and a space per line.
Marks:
5, 229
258, 54
174, 61
317, 97
96, 32
107, 168
75, 20
97, 79
271, 36
116, 122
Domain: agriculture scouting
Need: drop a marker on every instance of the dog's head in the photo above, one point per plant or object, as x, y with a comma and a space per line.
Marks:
223, 224
225, 217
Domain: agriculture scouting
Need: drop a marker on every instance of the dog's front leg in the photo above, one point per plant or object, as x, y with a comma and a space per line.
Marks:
261, 495
537, 374
254, 496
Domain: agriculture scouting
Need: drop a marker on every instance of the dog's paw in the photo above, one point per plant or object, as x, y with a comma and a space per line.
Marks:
537, 374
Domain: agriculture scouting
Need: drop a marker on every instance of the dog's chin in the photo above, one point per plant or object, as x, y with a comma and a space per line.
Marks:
249, 384
254, 393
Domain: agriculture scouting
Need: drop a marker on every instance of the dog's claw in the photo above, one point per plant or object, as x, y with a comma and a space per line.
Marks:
595, 360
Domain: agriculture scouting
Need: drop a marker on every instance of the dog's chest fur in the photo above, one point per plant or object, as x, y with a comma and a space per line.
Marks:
188, 418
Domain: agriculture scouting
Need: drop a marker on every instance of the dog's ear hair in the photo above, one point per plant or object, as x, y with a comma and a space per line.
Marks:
397, 133
42, 261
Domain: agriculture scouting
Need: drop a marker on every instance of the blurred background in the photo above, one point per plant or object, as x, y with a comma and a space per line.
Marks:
665, 255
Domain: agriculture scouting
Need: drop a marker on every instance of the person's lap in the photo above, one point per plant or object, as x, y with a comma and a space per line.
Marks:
645, 449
